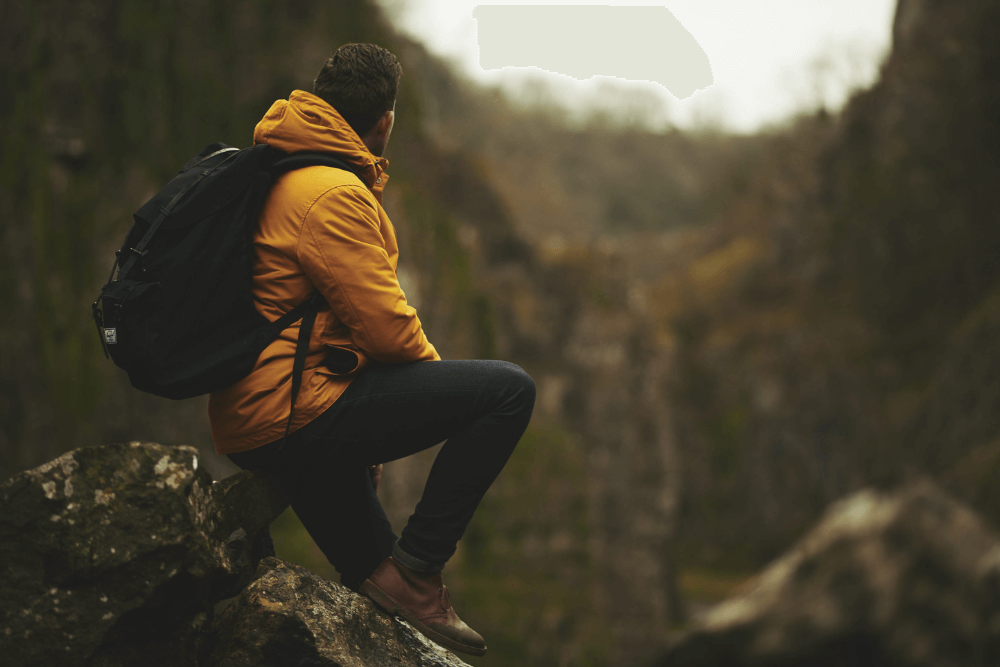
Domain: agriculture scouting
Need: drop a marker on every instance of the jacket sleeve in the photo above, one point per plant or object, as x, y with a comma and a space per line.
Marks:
342, 252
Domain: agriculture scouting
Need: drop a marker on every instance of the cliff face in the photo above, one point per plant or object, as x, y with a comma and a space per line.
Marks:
843, 332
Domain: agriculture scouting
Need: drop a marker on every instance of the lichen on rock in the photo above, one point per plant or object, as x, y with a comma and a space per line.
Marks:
288, 615
111, 542
115, 556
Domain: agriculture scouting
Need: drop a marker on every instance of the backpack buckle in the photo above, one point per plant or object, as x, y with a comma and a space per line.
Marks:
136, 262
99, 321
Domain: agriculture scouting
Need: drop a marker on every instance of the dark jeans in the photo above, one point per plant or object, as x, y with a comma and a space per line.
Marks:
390, 411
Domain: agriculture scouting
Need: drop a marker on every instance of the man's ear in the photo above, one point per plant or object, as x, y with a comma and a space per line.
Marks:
385, 122
376, 138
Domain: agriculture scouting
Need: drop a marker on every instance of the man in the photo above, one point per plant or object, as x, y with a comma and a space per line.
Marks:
374, 389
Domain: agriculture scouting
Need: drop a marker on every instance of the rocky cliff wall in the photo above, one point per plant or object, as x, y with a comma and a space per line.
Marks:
837, 329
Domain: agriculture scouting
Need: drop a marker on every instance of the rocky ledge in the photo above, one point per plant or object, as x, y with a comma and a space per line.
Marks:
117, 555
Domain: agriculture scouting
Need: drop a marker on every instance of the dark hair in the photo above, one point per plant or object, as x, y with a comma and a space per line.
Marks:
359, 81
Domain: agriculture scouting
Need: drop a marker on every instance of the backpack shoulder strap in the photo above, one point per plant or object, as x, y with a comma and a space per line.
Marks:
310, 159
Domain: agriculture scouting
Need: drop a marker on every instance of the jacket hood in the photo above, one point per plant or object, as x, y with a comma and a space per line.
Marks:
304, 122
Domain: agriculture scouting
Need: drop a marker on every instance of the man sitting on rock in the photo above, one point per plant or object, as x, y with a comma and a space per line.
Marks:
374, 389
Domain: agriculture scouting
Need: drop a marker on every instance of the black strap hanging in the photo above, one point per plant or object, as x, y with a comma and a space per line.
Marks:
311, 306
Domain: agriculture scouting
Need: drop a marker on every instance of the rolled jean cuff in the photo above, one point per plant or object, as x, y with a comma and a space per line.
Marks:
414, 563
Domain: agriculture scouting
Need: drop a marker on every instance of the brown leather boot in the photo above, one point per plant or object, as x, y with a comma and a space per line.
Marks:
422, 600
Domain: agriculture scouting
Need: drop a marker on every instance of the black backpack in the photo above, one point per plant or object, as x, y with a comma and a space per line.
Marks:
179, 317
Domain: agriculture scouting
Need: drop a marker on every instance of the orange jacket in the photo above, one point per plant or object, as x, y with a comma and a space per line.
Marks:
320, 229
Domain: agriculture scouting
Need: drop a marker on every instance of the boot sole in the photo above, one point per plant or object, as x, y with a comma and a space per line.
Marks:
391, 605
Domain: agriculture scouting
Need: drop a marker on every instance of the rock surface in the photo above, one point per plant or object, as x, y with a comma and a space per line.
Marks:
911, 578
115, 556
104, 542
290, 616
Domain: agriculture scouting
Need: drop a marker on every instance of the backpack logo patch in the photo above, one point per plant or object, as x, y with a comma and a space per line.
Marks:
110, 336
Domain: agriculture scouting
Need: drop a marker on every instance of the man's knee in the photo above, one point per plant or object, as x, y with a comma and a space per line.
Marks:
519, 384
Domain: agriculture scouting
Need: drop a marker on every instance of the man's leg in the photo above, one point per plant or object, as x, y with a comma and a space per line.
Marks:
335, 501
391, 411
480, 408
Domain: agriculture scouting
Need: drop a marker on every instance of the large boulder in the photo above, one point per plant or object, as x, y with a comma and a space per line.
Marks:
904, 579
116, 556
290, 616
107, 553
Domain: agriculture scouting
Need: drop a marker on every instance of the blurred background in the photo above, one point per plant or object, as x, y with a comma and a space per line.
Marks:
737, 308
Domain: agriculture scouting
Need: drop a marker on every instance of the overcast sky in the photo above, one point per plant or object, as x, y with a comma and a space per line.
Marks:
770, 58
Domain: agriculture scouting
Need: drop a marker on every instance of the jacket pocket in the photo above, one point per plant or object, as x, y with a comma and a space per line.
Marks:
341, 360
